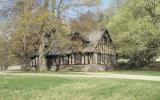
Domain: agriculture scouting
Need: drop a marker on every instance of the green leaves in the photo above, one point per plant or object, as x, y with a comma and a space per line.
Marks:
134, 30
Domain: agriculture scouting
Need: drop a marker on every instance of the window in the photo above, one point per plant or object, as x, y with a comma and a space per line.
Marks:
78, 59
102, 58
66, 60
54, 61
99, 58
106, 59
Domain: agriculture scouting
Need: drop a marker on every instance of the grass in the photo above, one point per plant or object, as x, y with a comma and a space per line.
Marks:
55, 88
136, 72
130, 72
50, 72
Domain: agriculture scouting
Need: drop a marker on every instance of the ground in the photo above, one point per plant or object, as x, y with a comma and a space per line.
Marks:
136, 72
65, 86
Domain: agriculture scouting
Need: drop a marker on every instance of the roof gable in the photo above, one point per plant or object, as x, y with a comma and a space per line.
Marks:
92, 39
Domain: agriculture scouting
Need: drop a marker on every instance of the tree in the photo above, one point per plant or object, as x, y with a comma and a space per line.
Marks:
134, 29
39, 28
3, 54
87, 22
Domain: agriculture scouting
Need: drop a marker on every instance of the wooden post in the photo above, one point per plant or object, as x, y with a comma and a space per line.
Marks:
88, 59
35, 62
84, 59
68, 59
38, 61
59, 60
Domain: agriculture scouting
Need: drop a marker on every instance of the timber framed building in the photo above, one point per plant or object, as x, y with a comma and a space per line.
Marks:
93, 52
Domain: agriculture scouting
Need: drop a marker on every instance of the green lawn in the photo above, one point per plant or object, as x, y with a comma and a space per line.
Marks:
130, 72
136, 72
55, 88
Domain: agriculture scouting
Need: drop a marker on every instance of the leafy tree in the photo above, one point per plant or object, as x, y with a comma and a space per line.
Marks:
38, 28
134, 30
87, 22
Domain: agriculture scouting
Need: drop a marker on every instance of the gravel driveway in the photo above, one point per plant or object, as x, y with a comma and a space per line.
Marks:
90, 75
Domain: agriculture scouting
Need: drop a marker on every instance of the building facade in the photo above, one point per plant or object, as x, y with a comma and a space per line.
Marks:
92, 52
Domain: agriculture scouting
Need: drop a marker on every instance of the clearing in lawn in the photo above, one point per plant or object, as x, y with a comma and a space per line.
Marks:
67, 88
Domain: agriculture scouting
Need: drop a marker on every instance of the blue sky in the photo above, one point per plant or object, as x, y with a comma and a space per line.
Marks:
105, 3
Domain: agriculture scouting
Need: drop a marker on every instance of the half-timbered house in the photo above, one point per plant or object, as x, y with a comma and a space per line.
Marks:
92, 52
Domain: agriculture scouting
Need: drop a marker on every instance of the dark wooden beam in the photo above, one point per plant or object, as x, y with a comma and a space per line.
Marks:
68, 59
84, 59
38, 61
59, 58
88, 59
74, 59
35, 62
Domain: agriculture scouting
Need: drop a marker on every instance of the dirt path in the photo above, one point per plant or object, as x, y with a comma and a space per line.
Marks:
90, 75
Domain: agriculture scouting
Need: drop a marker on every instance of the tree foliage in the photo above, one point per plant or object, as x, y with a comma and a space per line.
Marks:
134, 28
87, 22
39, 26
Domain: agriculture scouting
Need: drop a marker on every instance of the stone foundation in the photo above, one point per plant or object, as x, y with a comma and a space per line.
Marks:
84, 68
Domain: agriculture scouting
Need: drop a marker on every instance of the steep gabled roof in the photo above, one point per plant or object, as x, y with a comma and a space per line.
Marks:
94, 38
91, 38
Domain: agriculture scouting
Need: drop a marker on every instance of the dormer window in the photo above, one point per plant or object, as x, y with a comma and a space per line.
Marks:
85, 43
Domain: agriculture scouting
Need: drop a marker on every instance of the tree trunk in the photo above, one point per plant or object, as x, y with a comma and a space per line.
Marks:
26, 65
57, 68
42, 61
